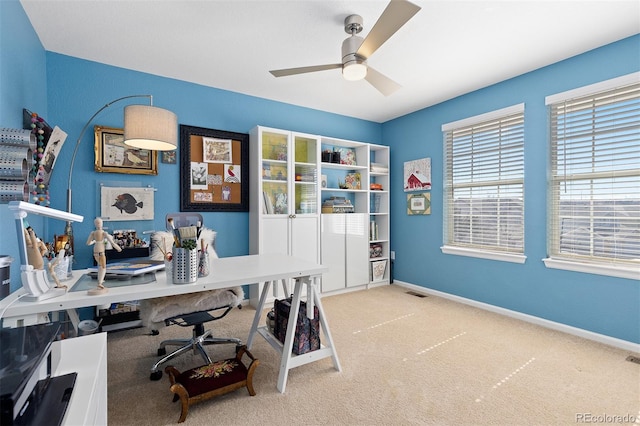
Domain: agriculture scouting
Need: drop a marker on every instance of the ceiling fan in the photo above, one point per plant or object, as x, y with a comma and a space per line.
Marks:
356, 51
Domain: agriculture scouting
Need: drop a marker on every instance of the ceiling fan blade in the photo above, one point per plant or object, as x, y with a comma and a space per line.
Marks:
397, 13
384, 84
303, 70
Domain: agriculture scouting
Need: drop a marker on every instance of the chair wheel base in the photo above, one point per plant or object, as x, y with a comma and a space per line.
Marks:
162, 351
155, 375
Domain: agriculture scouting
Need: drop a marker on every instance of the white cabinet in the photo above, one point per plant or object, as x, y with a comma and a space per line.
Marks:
284, 198
344, 250
356, 174
379, 226
86, 356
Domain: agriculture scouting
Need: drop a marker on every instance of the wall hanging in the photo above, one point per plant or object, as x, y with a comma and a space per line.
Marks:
417, 175
113, 156
214, 170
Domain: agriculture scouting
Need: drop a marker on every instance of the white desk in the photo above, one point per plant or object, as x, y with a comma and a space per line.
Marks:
225, 272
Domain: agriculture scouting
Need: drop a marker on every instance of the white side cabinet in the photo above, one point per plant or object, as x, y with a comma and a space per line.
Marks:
344, 250
284, 198
87, 356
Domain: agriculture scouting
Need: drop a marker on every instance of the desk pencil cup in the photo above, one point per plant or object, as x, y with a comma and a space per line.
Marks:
203, 264
185, 266
168, 265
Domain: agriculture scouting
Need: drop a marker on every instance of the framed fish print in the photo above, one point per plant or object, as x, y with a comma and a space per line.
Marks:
126, 203
214, 170
113, 156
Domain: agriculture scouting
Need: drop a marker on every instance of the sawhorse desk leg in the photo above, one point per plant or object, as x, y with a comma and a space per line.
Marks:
288, 359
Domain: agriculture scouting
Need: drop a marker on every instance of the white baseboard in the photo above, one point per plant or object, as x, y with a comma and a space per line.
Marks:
600, 338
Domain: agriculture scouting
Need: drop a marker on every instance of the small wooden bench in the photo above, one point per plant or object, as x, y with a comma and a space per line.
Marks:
209, 380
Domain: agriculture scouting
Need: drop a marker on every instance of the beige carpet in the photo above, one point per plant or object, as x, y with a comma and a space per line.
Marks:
405, 360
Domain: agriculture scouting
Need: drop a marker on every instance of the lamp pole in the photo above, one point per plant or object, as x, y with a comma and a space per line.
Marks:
68, 230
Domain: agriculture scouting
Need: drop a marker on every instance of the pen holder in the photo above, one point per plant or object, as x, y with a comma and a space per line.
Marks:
185, 266
203, 264
168, 265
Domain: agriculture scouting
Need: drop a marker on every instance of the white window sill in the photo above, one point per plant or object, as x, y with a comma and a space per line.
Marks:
483, 254
593, 268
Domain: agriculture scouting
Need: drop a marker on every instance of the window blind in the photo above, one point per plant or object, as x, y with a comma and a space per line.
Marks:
484, 182
594, 187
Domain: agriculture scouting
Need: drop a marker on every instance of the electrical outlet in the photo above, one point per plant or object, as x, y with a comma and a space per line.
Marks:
393, 255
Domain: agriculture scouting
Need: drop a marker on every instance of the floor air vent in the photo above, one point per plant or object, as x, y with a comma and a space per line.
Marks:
633, 359
414, 293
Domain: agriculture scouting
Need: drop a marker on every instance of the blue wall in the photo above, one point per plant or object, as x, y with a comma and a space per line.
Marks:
605, 305
23, 84
67, 91
78, 88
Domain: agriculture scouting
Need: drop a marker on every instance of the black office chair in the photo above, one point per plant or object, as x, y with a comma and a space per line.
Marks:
191, 309
225, 301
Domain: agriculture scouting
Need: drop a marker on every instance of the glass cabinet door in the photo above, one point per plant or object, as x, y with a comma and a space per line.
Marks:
275, 172
305, 165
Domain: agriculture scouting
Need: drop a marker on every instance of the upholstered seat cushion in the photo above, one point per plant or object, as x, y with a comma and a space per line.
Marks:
153, 312
212, 376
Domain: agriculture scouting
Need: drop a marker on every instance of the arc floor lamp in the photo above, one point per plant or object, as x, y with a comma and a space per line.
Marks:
145, 127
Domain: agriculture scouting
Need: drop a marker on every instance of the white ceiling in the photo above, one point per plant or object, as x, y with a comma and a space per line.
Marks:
447, 49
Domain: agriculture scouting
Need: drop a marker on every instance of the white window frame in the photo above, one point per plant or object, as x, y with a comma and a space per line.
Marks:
622, 268
471, 249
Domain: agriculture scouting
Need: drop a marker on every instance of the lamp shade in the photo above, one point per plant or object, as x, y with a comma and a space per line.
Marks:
149, 127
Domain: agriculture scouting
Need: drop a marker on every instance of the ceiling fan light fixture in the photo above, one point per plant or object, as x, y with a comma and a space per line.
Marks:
354, 70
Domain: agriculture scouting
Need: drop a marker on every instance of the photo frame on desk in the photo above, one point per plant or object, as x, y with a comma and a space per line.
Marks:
212, 182
113, 156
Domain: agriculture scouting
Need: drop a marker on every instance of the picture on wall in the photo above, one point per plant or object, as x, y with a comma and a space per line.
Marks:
417, 175
217, 150
122, 203
168, 157
113, 156
215, 163
419, 204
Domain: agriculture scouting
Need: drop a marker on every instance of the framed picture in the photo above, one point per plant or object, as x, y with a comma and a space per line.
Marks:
417, 175
113, 156
214, 170
168, 157
419, 204
126, 203
217, 150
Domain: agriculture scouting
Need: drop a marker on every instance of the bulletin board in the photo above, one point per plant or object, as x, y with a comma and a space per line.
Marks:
214, 170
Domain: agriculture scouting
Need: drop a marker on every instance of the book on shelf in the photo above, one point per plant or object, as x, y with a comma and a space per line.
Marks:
268, 204
379, 168
373, 230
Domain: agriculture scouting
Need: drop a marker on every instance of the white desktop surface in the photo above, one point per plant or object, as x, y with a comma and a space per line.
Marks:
262, 269
225, 272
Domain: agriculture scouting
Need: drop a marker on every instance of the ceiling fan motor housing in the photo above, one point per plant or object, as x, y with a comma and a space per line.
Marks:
349, 48
353, 25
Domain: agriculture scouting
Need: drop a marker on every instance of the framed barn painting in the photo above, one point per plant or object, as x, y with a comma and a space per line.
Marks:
417, 175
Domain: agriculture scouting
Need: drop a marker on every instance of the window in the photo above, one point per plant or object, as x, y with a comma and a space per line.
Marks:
484, 185
594, 188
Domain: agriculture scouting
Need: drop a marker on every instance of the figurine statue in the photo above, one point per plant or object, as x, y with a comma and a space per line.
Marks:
36, 249
98, 238
52, 268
